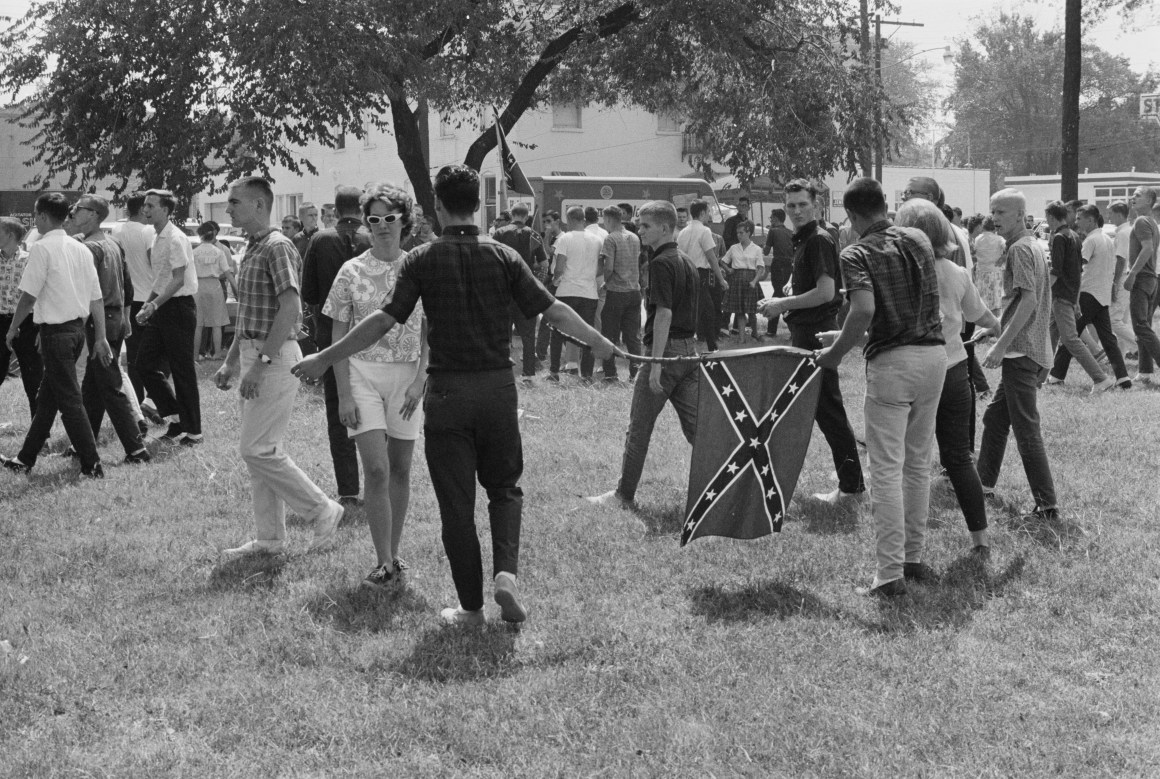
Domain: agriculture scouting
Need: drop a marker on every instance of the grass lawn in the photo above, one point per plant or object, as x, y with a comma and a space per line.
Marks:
130, 651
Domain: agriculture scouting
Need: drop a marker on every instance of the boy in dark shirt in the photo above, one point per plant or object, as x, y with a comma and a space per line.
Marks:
669, 331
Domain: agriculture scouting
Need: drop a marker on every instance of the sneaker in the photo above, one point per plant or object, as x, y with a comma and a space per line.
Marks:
610, 498
839, 498
920, 573
1106, 384
141, 456
14, 464
379, 578
1124, 383
399, 565
191, 439
1143, 378
173, 434
460, 616
888, 591
326, 526
1052, 380
510, 609
254, 547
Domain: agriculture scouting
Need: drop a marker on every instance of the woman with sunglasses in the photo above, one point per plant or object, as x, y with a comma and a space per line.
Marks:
380, 388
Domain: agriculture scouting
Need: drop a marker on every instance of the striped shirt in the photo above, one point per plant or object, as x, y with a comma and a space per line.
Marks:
624, 249
270, 266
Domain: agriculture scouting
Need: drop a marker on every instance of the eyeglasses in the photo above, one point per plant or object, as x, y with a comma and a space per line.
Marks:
74, 209
388, 219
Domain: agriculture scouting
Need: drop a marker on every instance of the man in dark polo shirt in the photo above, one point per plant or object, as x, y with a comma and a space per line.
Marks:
893, 291
529, 246
669, 331
325, 254
467, 284
308, 216
1066, 272
810, 309
778, 260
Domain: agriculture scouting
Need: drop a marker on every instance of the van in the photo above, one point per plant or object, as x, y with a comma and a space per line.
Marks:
559, 193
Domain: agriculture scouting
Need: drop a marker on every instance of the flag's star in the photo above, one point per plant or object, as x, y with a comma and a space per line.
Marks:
726, 390
764, 470
773, 415
740, 415
710, 495
755, 442
793, 388
732, 468
777, 517
644, 193
559, 193
770, 492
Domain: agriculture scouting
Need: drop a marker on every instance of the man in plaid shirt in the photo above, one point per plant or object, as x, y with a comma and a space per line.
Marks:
265, 348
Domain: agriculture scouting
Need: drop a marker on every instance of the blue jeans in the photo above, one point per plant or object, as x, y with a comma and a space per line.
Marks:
680, 383
1142, 307
1014, 409
60, 348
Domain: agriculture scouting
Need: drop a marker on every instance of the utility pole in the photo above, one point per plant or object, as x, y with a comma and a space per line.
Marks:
1072, 71
866, 152
879, 151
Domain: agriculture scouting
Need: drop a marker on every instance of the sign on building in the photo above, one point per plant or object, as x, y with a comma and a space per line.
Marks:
1150, 107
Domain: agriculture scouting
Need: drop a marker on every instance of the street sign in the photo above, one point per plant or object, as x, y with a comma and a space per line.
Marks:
1150, 107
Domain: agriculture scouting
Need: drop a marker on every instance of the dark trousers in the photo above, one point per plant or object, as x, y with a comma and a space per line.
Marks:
131, 344
103, 389
526, 328
831, 413
586, 308
472, 431
27, 356
1142, 307
1094, 313
343, 452
60, 348
975, 373
1014, 408
621, 320
708, 308
955, 432
168, 338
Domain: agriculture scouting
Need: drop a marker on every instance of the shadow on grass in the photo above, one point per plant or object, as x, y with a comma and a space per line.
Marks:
965, 587
823, 519
364, 610
452, 654
1060, 534
661, 520
253, 571
764, 599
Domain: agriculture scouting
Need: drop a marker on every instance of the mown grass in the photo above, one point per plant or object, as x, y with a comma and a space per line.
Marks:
134, 652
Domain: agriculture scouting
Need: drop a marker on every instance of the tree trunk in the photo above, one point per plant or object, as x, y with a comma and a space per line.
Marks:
412, 144
1072, 70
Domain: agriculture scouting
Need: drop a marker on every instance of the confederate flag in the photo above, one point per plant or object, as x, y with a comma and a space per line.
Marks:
754, 422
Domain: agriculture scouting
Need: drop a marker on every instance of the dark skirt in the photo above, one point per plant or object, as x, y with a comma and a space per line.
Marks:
742, 297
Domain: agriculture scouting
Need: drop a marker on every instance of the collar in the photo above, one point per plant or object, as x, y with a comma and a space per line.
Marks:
461, 230
1059, 229
664, 247
260, 235
1015, 238
877, 227
348, 220
806, 230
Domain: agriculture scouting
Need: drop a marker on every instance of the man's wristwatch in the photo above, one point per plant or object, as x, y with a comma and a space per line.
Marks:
265, 359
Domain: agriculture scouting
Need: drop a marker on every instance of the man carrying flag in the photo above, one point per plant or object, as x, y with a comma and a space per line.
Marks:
514, 178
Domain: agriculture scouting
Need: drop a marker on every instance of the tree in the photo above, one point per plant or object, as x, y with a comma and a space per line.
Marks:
177, 95
1008, 115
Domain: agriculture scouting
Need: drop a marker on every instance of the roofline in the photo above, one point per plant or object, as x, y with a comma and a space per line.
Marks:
614, 180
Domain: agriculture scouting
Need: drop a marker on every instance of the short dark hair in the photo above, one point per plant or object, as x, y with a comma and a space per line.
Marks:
746, 225
661, 211
591, 215
989, 224
347, 200
553, 215
1056, 210
682, 208
626, 208
614, 212
1075, 205
12, 226
777, 214
54, 205
698, 208
134, 203
257, 184
958, 211
948, 212
864, 198
575, 214
505, 215
1091, 210
743, 197
165, 198
395, 197
1120, 207
519, 210
295, 222
457, 187
207, 229
99, 205
974, 221
801, 185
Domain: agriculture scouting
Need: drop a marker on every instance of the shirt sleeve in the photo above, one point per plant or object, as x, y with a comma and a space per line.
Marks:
706, 241
854, 270
608, 249
35, 272
529, 294
407, 291
180, 252
92, 277
281, 268
561, 248
1022, 267
338, 302
662, 284
820, 259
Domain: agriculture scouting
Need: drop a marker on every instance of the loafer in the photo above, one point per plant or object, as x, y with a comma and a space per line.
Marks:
14, 464
610, 498
839, 498
510, 609
326, 526
888, 591
95, 471
1104, 385
141, 456
919, 573
461, 616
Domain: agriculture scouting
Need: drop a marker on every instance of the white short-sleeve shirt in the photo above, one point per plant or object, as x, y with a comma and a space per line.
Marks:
957, 299
62, 276
1099, 255
582, 250
695, 240
171, 250
135, 239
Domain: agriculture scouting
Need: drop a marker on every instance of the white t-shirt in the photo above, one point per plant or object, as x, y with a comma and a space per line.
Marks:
744, 258
695, 240
1099, 266
581, 248
364, 285
171, 250
135, 239
597, 230
1123, 240
957, 298
62, 276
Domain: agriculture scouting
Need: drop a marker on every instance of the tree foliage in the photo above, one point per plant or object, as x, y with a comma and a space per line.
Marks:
175, 95
1007, 107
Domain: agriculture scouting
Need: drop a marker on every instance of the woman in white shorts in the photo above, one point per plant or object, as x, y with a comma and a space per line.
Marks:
380, 389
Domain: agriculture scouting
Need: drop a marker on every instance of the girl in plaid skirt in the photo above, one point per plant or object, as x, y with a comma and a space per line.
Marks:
747, 268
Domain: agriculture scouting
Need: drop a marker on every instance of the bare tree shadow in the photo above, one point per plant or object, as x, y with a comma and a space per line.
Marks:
365, 610
964, 588
449, 654
761, 599
253, 571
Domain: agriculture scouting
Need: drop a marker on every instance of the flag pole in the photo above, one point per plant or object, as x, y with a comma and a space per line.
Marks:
501, 181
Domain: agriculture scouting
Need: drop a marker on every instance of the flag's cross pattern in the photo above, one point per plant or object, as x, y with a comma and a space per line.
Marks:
753, 451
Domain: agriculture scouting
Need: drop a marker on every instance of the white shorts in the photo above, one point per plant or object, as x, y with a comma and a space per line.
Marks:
380, 390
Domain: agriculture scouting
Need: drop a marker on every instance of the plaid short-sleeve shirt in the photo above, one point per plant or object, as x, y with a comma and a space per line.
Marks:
1025, 272
270, 266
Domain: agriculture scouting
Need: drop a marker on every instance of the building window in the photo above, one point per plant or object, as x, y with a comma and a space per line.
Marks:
566, 116
668, 124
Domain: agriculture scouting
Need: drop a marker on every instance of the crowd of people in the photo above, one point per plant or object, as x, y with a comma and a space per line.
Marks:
416, 333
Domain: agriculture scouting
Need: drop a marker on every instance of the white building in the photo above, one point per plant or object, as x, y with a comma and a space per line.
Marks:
1099, 188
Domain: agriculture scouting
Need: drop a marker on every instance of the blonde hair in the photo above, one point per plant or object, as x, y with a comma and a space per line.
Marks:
926, 216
